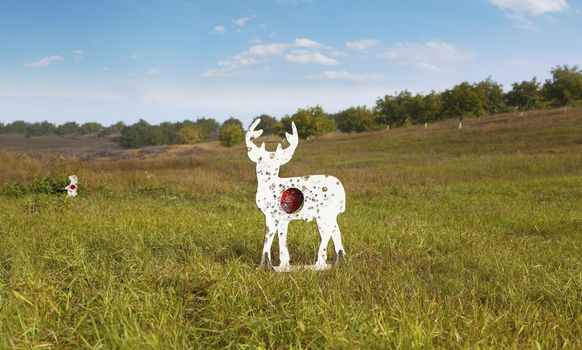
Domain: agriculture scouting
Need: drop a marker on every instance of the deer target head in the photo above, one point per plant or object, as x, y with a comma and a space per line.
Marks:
73, 179
263, 157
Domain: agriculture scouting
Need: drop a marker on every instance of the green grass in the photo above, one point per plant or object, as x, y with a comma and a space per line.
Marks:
455, 239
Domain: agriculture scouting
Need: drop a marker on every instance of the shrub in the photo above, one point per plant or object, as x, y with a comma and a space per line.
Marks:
13, 190
190, 135
231, 133
48, 185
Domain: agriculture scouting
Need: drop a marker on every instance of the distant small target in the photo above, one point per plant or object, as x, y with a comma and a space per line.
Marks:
72, 187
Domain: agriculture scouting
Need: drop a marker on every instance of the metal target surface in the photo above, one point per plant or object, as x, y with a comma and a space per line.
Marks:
312, 197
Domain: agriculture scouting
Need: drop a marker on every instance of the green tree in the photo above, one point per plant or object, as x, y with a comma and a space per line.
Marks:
565, 87
117, 127
231, 133
268, 124
356, 119
39, 129
165, 134
461, 101
234, 121
90, 128
397, 110
68, 128
209, 127
525, 96
433, 107
155, 136
17, 126
112, 129
136, 135
491, 96
416, 109
190, 135
309, 122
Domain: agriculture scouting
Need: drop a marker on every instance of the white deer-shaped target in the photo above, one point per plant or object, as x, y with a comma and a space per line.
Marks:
319, 197
72, 187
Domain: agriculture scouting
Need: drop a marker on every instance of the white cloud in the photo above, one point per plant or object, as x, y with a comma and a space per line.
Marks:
308, 57
426, 67
520, 21
265, 50
343, 75
520, 11
361, 44
153, 71
299, 51
307, 43
77, 55
241, 22
150, 72
532, 7
335, 53
222, 73
429, 56
134, 56
44, 62
105, 70
253, 56
219, 29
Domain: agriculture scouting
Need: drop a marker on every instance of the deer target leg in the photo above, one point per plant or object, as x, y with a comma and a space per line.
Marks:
283, 251
270, 230
325, 234
336, 236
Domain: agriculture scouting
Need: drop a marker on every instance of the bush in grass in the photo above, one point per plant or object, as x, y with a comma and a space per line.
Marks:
48, 185
190, 135
13, 190
231, 133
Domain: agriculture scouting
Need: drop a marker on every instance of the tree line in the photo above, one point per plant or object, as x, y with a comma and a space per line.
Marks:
463, 100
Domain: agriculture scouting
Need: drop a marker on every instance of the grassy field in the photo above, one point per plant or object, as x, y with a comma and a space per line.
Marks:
454, 239
66, 145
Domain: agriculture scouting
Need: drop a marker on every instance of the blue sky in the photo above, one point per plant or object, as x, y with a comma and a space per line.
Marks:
171, 60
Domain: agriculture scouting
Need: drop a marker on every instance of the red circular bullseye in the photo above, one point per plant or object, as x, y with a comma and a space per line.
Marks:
72, 187
291, 200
